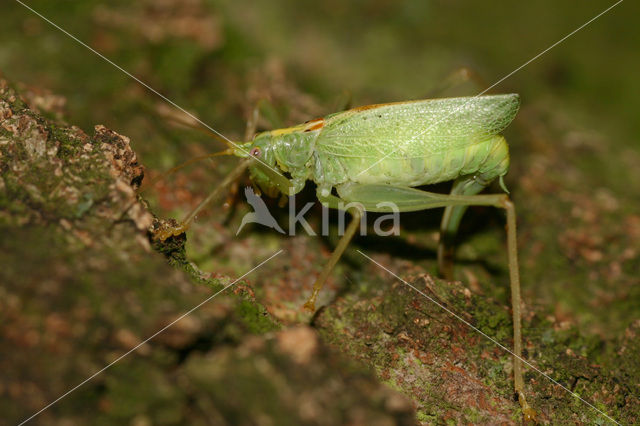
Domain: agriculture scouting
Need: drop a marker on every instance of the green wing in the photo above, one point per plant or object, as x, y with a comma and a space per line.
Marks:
416, 128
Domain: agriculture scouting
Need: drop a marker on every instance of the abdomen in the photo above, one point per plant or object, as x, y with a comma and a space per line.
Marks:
487, 159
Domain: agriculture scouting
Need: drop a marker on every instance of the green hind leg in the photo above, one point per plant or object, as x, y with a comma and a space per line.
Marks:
410, 199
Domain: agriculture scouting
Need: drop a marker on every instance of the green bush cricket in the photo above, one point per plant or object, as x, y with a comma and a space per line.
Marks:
380, 153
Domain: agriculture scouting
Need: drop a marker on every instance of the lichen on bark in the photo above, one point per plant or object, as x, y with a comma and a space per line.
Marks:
81, 286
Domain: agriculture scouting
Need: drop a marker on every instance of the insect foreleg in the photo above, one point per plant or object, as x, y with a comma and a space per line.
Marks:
186, 222
411, 199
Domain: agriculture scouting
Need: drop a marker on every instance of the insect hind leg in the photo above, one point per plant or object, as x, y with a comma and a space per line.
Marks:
411, 199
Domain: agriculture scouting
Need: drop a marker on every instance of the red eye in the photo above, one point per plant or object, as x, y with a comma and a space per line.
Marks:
255, 152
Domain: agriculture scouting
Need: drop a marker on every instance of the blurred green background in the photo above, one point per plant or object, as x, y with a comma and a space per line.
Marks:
578, 129
575, 173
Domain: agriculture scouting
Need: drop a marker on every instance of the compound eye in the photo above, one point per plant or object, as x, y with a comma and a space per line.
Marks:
255, 152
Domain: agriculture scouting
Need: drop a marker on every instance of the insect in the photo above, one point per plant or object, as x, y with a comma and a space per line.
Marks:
381, 153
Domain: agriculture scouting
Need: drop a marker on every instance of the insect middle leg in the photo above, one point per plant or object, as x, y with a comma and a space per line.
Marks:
411, 199
465, 185
356, 214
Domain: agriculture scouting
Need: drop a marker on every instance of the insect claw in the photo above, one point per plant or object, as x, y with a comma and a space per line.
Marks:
528, 413
310, 304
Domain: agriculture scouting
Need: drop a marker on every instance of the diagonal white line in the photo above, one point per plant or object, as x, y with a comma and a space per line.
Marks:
148, 338
550, 47
459, 108
494, 341
240, 148
280, 251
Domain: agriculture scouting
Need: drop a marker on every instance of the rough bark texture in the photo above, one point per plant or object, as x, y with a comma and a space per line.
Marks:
81, 286
81, 283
